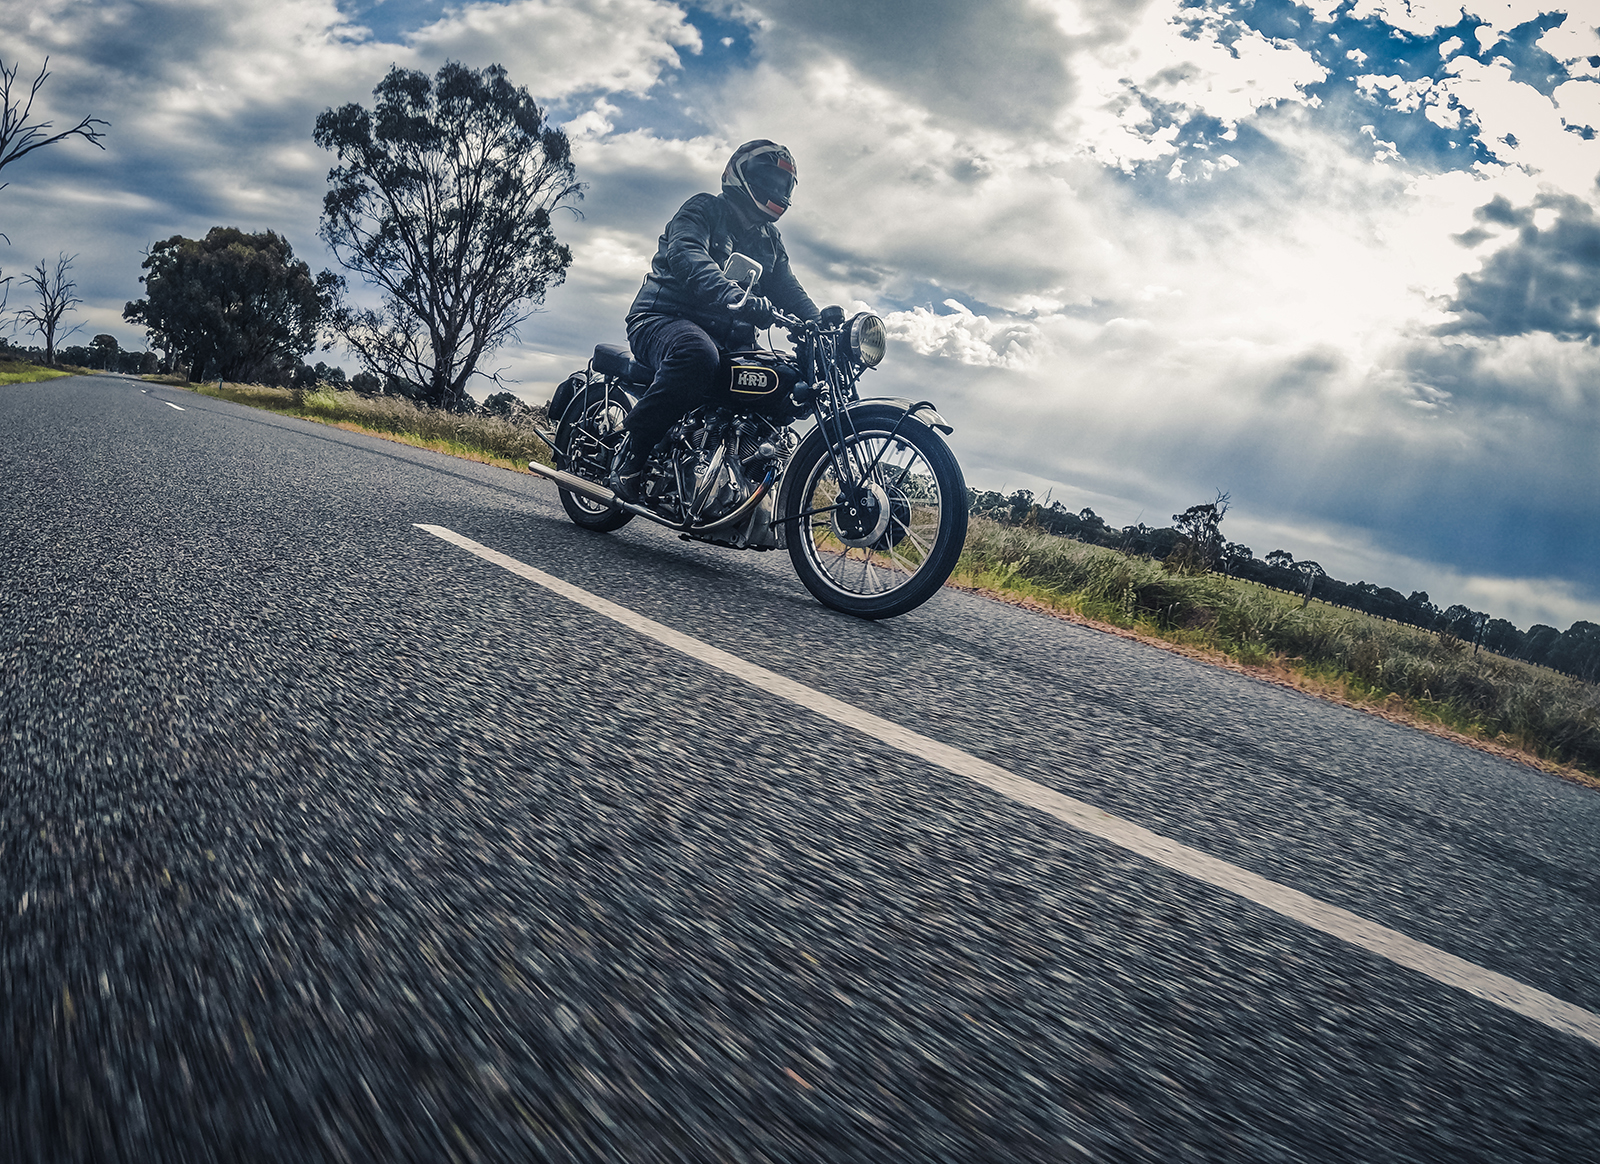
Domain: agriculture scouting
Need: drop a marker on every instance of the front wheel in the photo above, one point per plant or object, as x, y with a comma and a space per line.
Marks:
586, 439
883, 530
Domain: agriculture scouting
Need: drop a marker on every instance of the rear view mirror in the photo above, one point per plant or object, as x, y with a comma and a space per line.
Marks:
743, 270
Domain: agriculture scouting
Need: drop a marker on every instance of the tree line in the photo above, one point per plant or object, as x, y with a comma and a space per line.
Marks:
1194, 542
440, 203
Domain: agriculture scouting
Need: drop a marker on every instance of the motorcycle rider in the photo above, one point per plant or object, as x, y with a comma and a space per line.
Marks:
682, 310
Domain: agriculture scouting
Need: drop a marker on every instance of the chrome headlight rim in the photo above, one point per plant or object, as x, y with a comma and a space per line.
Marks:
869, 339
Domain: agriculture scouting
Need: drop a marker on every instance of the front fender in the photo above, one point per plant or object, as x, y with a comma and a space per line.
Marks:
883, 409
922, 410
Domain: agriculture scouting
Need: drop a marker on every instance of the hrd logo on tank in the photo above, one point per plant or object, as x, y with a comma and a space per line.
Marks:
754, 380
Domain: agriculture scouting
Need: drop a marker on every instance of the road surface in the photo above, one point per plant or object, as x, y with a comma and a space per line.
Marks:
356, 806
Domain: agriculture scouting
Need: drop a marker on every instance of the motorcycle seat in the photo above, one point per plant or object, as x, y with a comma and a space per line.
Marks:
617, 360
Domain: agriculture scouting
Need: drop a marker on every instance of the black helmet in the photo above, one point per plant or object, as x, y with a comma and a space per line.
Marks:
764, 172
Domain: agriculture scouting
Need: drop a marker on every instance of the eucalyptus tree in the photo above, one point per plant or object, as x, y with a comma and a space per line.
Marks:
1200, 528
1310, 571
20, 134
442, 201
235, 305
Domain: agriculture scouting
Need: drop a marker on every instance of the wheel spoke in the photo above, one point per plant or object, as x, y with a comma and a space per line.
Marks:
900, 477
881, 536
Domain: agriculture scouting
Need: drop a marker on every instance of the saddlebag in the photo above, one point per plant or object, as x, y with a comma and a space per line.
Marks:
565, 391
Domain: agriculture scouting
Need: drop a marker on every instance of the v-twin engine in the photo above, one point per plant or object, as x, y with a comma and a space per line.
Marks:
712, 463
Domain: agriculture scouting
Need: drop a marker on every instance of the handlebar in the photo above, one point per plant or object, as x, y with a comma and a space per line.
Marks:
783, 318
791, 323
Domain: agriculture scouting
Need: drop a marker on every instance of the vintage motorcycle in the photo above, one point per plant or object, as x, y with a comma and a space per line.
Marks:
868, 500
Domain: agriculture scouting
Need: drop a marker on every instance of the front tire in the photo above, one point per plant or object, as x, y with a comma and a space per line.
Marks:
877, 547
586, 440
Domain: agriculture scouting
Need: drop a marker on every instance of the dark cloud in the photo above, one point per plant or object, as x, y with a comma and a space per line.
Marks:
1546, 280
999, 63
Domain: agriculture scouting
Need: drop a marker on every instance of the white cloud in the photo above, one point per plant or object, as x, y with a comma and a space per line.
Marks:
1422, 17
965, 337
1522, 125
1177, 59
618, 46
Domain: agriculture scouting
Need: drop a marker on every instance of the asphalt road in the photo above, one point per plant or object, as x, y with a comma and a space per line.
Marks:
322, 839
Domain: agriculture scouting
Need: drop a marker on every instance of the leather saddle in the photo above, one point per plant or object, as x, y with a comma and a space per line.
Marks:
617, 360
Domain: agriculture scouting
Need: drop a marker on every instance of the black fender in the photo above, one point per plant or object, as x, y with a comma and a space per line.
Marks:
922, 410
884, 409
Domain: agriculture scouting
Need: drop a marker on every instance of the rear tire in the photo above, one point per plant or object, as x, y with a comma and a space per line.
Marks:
891, 550
586, 440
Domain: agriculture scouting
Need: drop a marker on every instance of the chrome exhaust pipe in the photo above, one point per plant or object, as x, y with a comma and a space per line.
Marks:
739, 514
596, 493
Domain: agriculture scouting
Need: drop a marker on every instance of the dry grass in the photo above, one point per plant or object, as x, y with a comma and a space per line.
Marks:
1399, 671
478, 438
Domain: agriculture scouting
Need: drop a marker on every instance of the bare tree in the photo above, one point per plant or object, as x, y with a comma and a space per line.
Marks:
56, 298
18, 137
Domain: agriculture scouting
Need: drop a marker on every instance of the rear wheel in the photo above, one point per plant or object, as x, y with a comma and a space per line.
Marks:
882, 537
586, 440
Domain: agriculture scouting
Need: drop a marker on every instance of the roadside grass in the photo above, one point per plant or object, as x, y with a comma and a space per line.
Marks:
20, 372
488, 440
1400, 672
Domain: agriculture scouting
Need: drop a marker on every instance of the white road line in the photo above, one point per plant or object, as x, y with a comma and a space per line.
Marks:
1291, 903
169, 404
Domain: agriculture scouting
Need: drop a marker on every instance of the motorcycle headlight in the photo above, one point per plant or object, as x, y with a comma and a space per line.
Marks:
869, 339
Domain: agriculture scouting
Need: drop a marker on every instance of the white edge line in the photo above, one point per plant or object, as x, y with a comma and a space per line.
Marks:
1437, 964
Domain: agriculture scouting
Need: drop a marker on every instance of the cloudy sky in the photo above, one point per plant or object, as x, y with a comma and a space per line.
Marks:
1339, 258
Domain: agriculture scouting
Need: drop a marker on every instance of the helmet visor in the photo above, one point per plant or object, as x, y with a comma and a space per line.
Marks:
769, 183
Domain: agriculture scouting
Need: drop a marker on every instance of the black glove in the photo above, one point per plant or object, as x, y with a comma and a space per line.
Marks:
757, 310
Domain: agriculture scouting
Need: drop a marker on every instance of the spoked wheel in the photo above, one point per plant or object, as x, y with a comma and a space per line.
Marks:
883, 541
586, 440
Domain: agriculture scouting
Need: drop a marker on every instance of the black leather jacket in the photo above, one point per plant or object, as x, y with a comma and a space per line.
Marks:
686, 279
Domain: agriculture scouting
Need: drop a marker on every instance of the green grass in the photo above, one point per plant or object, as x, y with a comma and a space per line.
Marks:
1402, 670
1397, 670
18, 372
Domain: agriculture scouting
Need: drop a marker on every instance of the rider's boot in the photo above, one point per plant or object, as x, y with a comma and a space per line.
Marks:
627, 469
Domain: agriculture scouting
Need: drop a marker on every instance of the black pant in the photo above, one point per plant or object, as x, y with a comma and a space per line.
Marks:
685, 358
